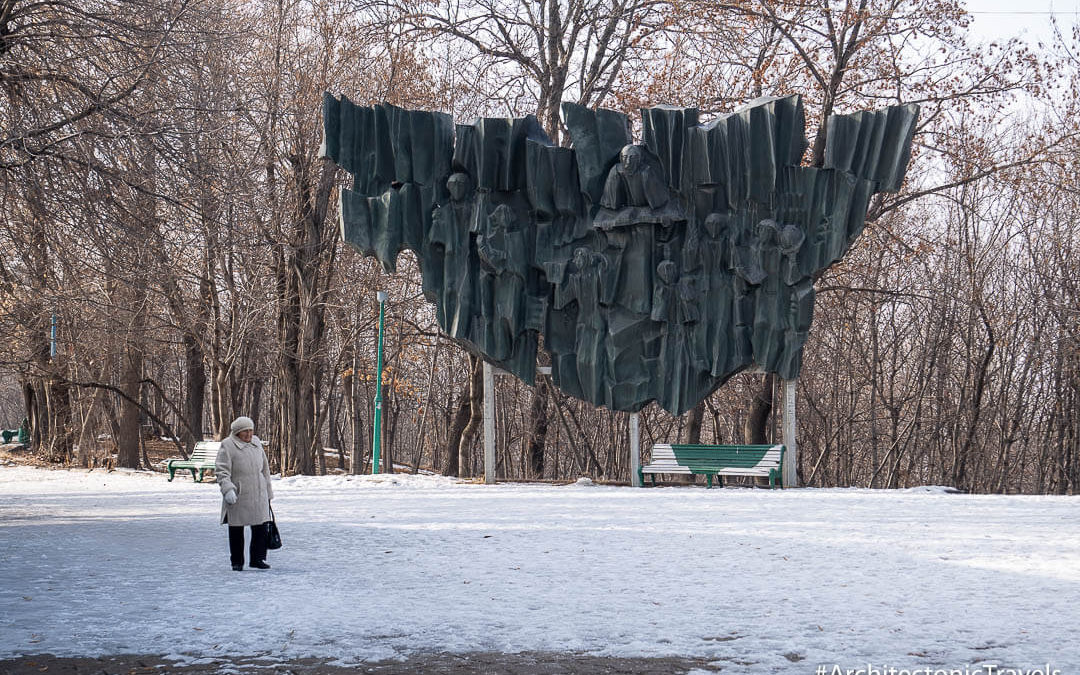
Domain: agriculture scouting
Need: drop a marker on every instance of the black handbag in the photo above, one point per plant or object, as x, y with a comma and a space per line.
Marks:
273, 536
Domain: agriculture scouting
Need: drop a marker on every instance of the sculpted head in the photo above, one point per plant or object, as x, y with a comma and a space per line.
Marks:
458, 185
632, 158
766, 230
503, 217
790, 238
668, 271
716, 224
581, 257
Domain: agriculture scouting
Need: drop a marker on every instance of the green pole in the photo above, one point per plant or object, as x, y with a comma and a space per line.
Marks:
376, 443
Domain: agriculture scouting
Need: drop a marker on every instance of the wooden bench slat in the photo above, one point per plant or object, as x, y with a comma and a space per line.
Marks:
715, 454
726, 448
721, 461
679, 468
725, 465
727, 458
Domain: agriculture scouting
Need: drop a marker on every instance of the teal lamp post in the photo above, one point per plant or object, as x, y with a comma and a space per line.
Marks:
376, 443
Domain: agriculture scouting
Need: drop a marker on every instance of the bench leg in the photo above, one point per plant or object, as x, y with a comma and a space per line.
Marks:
193, 476
708, 480
172, 472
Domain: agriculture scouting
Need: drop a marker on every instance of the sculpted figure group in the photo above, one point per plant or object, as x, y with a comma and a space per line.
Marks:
653, 270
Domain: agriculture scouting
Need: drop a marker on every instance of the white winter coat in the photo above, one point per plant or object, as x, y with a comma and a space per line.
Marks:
243, 467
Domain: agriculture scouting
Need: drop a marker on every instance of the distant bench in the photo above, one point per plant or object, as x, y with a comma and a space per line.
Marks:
202, 460
717, 460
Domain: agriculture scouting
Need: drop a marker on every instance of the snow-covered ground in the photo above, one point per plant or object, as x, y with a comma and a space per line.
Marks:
376, 567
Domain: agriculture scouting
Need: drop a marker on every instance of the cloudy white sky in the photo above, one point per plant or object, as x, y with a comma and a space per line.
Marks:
1029, 19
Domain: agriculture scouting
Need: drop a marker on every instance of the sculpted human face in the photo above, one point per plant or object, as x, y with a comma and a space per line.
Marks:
667, 271
790, 238
714, 223
503, 217
766, 230
245, 435
630, 158
456, 184
581, 257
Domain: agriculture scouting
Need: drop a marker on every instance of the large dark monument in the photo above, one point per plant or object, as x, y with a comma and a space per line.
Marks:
653, 270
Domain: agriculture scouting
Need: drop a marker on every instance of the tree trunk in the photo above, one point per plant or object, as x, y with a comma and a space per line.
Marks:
303, 273
692, 434
333, 434
127, 445
453, 438
476, 415
58, 404
754, 432
223, 400
36, 414
195, 391
694, 418
389, 426
35, 390
538, 426
357, 424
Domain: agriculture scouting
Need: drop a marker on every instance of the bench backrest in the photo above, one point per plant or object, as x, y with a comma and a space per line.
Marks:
205, 451
728, 456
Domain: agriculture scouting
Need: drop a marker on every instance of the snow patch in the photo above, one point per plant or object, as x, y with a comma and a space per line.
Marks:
379, 567
933, 490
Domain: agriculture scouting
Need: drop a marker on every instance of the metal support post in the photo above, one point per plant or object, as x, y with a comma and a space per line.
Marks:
635, 450
489, 423
376, 442
791, 450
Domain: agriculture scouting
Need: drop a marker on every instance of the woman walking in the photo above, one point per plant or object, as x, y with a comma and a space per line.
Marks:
244, 476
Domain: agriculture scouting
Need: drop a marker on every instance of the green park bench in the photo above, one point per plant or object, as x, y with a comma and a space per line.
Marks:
201, 460
716, 460
20, 435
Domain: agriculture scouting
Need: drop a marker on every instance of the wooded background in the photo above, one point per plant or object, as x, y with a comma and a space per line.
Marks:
162, 205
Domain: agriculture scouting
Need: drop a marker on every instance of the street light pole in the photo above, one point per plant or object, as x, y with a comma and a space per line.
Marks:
376, 444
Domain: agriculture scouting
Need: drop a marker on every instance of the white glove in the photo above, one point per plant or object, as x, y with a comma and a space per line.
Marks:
230, 497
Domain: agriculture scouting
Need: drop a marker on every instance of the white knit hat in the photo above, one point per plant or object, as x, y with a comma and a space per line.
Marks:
240, 424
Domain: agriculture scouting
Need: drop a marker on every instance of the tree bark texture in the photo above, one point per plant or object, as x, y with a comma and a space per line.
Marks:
538, 427
476, 416
460, 420
756, 430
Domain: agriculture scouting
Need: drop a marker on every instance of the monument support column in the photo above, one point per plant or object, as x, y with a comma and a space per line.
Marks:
791, 451
489, 423
635, 450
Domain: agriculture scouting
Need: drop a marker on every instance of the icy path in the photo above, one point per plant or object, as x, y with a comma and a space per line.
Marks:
375, 567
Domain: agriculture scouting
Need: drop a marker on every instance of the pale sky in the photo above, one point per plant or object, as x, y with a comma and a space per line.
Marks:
1028, 19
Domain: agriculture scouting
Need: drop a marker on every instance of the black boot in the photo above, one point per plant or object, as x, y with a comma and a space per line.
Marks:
238, 568
259, 565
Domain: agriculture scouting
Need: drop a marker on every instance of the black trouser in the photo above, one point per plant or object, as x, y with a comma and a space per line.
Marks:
257, 550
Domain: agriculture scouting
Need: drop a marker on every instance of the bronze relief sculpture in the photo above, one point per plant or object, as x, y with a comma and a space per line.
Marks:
653, 270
